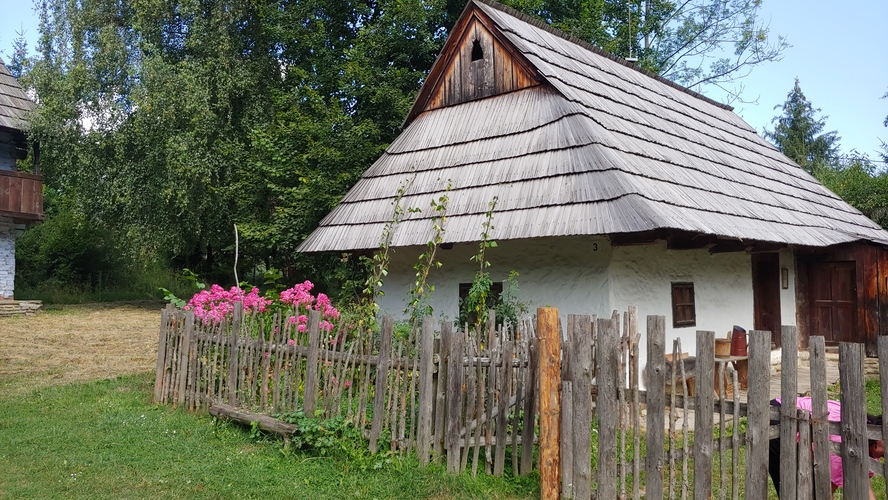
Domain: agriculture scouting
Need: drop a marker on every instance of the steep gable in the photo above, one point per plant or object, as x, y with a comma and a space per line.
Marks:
475, 63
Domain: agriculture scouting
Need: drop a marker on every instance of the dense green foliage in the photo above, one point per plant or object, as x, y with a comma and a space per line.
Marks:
163, 124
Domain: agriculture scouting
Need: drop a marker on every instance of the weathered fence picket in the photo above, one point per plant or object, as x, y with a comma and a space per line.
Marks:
472, 396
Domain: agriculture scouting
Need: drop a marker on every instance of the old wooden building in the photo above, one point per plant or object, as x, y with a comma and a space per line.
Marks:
21, 193
613, 187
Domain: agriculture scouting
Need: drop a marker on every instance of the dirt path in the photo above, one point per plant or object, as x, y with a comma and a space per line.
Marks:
65, 344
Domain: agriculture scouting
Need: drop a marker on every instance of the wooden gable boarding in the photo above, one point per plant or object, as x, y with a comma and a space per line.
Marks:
480, 64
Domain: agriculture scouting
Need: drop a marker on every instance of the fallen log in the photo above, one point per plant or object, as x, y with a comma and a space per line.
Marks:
264, 422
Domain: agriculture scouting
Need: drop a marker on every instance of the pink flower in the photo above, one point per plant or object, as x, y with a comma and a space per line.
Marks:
291, 342
348, 383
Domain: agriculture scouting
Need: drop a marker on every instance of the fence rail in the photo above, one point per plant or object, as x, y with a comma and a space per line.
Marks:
488, 400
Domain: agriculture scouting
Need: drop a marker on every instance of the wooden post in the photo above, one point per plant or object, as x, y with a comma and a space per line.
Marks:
385, 351
788, 426
655, 383
805, 487
184, 352
165, 317
703, 407
310, 398
550, 401
455, 377
530, 397
608, 413
855, 451
883, 384
759, 415
819, 424
581, 368
502, 417
426, 390
566, 436
441, 391
237, 319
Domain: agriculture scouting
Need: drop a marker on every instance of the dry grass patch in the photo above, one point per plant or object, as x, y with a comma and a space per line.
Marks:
76, 343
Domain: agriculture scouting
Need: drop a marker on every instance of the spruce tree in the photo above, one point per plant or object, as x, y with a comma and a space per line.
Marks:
798, 132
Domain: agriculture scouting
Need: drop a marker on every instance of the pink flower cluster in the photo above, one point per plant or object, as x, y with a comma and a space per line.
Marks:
216, 303
300, 297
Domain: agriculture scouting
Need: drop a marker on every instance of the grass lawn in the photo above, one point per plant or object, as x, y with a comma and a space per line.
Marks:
106, 440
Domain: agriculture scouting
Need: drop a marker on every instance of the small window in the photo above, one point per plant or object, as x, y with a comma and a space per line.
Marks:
496, 289
477, 51
684, 312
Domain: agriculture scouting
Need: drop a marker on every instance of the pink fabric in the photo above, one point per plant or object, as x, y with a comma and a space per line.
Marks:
833, 414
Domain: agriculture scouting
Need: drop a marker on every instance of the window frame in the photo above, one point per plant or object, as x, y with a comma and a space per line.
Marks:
684, 311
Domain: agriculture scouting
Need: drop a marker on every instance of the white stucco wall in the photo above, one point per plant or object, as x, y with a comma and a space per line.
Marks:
8, 233
788, 312
643, 275
568, 273
585, 275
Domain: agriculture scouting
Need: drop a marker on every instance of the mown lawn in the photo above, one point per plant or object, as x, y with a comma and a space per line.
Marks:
106, 439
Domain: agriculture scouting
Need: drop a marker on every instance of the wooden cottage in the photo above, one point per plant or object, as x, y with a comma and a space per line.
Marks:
21, 194
614, 187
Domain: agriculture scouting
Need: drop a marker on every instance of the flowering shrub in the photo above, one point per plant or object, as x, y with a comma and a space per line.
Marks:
301, 299
216, 303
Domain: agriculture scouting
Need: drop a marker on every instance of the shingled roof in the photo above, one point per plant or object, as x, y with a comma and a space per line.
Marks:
591, 146
14, 103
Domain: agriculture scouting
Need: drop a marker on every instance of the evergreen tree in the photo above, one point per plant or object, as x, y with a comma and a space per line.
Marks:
798, 133
18, 62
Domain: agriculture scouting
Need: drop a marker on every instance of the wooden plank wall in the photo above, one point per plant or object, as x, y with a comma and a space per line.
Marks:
469, 400
496, 72
21, 194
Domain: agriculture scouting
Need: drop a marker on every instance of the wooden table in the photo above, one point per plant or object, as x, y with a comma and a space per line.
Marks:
741, 364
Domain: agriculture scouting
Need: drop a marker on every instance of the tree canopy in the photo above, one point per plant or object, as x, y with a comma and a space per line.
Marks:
798, 132
165, 123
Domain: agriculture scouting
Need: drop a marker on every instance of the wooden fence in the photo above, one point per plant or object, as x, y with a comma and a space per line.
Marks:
486, 401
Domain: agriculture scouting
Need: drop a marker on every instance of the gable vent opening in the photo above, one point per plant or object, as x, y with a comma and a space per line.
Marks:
477, 51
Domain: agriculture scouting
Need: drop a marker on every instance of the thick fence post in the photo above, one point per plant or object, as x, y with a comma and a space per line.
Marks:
703, 409
759, 415
789, 464
550, 401
455, 372
855, 450
819, 424
385, 351
608, 412
426, 390
655, 383
581, 368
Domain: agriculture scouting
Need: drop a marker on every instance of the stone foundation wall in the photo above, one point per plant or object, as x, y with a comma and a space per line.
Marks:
8, 234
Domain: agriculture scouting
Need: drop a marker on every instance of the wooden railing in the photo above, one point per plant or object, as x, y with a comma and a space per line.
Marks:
21, 196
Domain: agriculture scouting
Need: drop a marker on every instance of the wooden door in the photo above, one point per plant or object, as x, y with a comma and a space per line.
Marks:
833, 300
766, 294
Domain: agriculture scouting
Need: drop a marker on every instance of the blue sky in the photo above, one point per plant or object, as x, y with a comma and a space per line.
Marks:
838, 53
